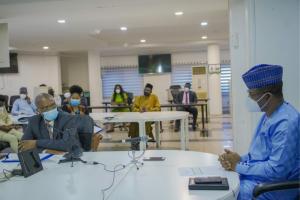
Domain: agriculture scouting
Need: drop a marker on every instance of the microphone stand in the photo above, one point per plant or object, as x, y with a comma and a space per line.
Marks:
135, 159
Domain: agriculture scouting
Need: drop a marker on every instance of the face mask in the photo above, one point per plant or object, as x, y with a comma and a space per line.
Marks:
75, 102
186, 89
50, 115
23, 96
253, 106
67, 95
118, 91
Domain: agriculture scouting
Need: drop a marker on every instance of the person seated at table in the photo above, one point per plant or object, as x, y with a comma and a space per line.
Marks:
274, 153
147, 103
74, 106
45, 131
8, 131
119, 98
57, 98
77, 89
23, 105
185, 98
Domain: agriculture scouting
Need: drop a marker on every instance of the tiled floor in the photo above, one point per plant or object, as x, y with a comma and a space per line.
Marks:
219, 137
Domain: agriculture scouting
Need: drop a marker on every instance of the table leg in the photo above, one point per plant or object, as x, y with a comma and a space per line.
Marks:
142, 134
182, 134
206, 114
202, 117
187, 136
157, 136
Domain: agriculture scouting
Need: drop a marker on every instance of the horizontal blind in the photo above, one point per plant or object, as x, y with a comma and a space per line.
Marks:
181, 74
225, 78
128, 77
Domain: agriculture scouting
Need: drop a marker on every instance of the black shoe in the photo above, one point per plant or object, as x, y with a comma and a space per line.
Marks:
135, 146
176, 129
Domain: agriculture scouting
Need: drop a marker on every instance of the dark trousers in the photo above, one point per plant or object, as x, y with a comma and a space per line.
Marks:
191, 110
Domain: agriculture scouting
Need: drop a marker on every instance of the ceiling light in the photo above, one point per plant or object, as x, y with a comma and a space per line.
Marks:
61, 21
178, 13
45, 47
123, 28
142, 40
204, 23
204, 37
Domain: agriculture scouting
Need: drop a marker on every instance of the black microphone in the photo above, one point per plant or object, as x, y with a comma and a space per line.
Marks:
135, 140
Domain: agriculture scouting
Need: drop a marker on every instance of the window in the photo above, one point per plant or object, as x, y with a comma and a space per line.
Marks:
181, 74
225, 87
128, 77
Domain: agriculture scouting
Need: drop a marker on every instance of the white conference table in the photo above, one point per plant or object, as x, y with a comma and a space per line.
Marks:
142, 118
159, 180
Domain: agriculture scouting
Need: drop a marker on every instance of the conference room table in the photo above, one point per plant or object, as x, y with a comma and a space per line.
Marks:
159, 180
142, 118
203, 105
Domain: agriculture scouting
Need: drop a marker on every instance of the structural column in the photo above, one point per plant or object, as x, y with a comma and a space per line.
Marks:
95, 82
214, 82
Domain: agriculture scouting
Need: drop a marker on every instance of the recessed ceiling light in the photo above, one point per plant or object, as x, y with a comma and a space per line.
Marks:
204, 23
61, 21
142, 40
45, 47
178, 13
204, 37
123, 28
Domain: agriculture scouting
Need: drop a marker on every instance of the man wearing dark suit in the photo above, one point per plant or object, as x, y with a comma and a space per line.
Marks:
47, 131
187, 97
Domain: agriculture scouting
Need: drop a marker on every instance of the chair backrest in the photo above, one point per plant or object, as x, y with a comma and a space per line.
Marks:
12, 99
129, 97
85, 128
4, 99
175, 89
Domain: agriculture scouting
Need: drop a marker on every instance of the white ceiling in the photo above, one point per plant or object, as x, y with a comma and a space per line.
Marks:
33, 24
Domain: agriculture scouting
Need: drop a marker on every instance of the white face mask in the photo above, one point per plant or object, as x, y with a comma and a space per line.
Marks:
186, 89
118, 91
23, 96
253, 106
67, 95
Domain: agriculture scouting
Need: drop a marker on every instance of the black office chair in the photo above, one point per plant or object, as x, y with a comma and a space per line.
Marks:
12, 99
3, 145
4, 99
268, 187
85, 128
175, 89
129, 98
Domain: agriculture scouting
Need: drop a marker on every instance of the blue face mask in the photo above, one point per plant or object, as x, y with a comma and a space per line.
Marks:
75, 102
253, 106
50, 115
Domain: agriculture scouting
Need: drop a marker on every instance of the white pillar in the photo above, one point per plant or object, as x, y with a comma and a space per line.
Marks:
95, 82
259, 30
214, 83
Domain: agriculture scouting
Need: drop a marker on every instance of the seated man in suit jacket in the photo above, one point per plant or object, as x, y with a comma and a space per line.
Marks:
46, 131
187, 97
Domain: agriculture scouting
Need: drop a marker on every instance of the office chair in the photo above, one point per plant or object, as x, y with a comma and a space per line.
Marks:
12, 99
3, 145
4, 99
268, 187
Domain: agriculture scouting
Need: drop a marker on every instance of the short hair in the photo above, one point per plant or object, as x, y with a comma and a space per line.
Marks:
188, 85
42, 97
276, 90
148, 85
76, 89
